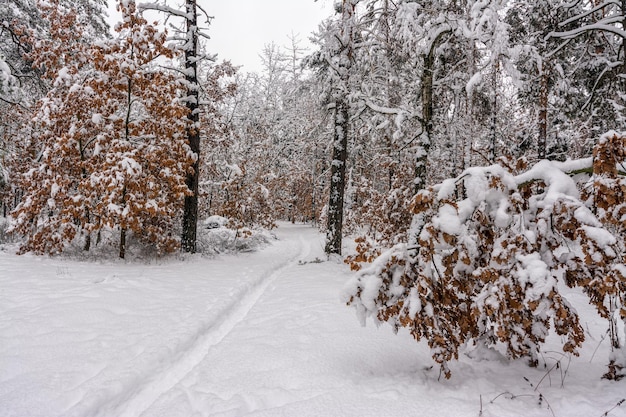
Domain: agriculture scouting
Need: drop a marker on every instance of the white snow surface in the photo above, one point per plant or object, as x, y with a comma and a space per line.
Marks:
258, 334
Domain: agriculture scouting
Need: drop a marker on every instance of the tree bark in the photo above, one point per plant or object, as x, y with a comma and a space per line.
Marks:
337, 179
190, 213
494, 114
344, 57
124, 228
427, 80
123, 243
421, 157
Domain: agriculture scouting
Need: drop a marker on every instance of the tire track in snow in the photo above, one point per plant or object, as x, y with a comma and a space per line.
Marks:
144, 393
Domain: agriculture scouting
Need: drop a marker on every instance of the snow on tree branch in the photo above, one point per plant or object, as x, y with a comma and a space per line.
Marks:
165, 9
491, 251
605, 27
590, 11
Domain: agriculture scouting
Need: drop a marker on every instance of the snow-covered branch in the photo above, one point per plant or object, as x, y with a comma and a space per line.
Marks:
383, 109
495, 254
604, 27
165, 9
590, 11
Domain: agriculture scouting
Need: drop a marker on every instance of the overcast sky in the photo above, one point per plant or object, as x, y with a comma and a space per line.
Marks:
242, 27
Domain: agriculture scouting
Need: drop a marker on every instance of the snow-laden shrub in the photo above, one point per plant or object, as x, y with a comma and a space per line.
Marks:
485, 268
379, 219
215, 222
218, 236
383, 215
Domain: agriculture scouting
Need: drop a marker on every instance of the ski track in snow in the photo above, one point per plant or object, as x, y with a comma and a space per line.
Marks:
141, 396
257, 335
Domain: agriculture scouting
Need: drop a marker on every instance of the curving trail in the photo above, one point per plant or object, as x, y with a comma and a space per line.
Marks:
139, 397
298, 351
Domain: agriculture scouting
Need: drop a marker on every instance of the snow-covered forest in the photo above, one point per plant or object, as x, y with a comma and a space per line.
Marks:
453, 169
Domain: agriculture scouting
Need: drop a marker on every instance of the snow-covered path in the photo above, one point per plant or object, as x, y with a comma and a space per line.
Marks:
260, 334
287, 356
165, 378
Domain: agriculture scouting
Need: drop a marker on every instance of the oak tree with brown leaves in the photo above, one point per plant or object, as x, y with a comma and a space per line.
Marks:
486, 268
114, 153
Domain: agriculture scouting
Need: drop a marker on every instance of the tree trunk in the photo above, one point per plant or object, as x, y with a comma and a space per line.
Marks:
123, 243
427, 115
337, 179
123, 227
87, 245
494, 114
190, 213
392, 87
421, 157
542, 141
340, 133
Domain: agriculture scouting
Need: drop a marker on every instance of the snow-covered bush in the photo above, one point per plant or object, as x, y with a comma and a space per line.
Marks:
215, 222
485, 268
220, 235
380, 219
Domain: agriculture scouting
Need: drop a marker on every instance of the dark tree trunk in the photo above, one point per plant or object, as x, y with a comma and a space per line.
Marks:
87, 245
123, 228
421, 158
393, 89
334, 231
427, 91
337, 179
427, 80
123, 243
83, 158
494, 115
190, 214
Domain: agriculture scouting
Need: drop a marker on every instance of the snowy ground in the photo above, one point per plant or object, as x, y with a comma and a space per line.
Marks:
261, 334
